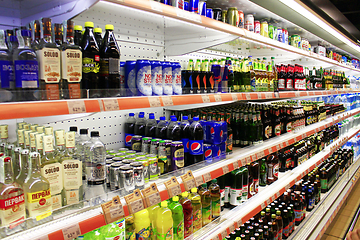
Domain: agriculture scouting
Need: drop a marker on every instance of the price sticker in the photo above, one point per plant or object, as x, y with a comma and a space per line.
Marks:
248, 160
205, 98
113, 210
188, 180
243, 162
199, 180
45, 237
268, 202
167, 100
276, 94
152, 195
261, 154
225, 169
239, 223
77, 106
135, 201
232, 228
268, 95
111, 104
71, 232
173, 187
303, 135
247, 96
154, 101
207, 177
223, 234
234, 96
263, 205
217, 97
287, 187
276, 195
156, 6
297, 94
259, 96
236, 165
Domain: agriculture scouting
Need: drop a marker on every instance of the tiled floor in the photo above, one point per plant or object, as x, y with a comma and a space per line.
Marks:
338, 228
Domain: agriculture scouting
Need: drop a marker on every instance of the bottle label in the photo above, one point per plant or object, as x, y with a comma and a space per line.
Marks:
188, 226
164, 236
278, 130
53, 173
144, 234
253, 84
72, 174
229, 143
60, 137
136, 146
91, 65
215, 206
49, 59
185, 144
267, 132
281, 83
256, 186
176, 80
196, 147
114, 65
179, 158
167, 80
71, 65
39, 204
12, 211
56, 201
324, 184
179, 231
286, 231
206, 215
48, 143
95, 174
128, 138
143, 80
222, 197
288, 127
235, 196
156, 80
72, 196
26, 74
244, 193
4, 133
276, 170
298, 215
6, 74
227, 194
197, 219
289, 83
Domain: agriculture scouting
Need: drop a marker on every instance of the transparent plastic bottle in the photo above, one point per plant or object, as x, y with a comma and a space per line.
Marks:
150, 127
84, 143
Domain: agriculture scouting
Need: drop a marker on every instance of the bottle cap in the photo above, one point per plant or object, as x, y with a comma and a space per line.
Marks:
109, 27
89, 24
214, 180
94, 134
78, 28
185, 117
196, 118
151, 116
273, 216
173, 119
97, 30
164, 204
73, 129
194, 190
262, 213
185, 194
162, 118
204, 185
278, 213
131, 114
84, 131
175, 198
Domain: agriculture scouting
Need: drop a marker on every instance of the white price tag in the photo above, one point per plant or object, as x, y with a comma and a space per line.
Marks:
156, 6
232, 228
236, 165
259, 96
247, 96
225, 169
268, 95
239, 223
207, 177
205, 98
77, 106
71, 232
263, 205
268, 201
154, 101
243, 162
116, 212
199, 180
297, 94
217, 97
287, 187
42, 238
234, 96
111, 104
223, 234
167, 100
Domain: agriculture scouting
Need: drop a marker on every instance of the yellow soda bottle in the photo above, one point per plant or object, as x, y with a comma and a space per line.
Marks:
153, 213
197, 208
142, 224
164, 222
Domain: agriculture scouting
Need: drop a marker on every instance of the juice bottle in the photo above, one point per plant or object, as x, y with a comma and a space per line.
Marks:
188, 214
196, 205
142, 224
164, 222
206, 204
129, 228
152, 214
215, 198
178, 218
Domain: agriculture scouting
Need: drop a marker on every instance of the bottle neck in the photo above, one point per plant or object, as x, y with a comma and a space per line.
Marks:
8, 171
70, 40
27, 42
34, 165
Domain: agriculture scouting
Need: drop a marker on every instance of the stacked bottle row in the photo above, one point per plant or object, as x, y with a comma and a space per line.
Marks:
327, 79
279, 219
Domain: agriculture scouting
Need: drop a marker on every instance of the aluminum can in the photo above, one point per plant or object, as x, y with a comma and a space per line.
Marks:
271, 31
224, 16
280, 35
209, 13
130, 78
217, 14
118, 159
177, 155
136, 143
264, 28
208, 152
122, 150
286, 37
186, 6
143, 77
232, 14
130, 152
130, 157
145, 145
140, 154
156, 78
257, 27
166, 2
176, 78
120, 155
127, 178
138, 174
193, 6
153, 167
249, 22
167, 78
154, 146
114, 175
122, 80
163, 160
168, 149
241, 19
202, 8
128, 161
107, 169
144, 161
275, 37
216, 69
216, 152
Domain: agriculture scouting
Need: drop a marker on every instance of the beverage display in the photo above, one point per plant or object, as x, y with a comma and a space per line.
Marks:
197, 209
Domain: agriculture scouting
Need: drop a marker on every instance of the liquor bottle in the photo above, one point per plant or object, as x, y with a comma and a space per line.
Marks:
259, 128
35, 34
4, 133
266, 121
90, 61
273, 168
7, 82
24, 167
290, 78
110, 63
246, 76
280, 223
12, 207
71, 64
95, 169
274, 226
59, 144
77, 34
58, 34
38, 201
16, 163
51, 169
98, 37
72, 171
49, 63
276, 123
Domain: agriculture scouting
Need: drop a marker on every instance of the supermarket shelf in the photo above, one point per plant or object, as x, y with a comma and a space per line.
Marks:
93, 218
64, 107
239, 215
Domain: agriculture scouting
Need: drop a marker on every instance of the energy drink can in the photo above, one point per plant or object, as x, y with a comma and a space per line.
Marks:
156, 78
130, 78
143, 77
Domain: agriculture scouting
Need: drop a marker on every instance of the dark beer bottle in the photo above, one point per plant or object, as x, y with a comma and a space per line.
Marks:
273, 168
263, 173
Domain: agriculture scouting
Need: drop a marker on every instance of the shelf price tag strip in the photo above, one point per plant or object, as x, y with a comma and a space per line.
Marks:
71, 232
154, 101
111, 104
77, 106
167, 101
207, 177
199, 180
205, 98
151, 195
188, 180
173, 187
135, 201
113, 210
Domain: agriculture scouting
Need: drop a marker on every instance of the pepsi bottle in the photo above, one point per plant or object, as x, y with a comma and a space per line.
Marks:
174, 131
161, 128
196, 142
140, 125
150, 127
129, 129
184, 127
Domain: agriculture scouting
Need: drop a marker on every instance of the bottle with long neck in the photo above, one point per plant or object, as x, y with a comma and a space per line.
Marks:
71, 63
12, 198
196, 77
60, 143
24, 167
49, 63
16, 160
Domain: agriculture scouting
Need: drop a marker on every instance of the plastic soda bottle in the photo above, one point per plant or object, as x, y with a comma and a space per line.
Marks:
153, 213
178, 218
142, 224
164, 222
206, 204
215, 198
115, 230
188, 214
197, 207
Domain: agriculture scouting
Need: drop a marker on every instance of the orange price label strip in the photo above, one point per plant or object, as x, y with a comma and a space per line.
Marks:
173, 187
113, 210
77, 106
111, 104
207, 177
71, 232
199, 180
135, 201
152, 195
188, 180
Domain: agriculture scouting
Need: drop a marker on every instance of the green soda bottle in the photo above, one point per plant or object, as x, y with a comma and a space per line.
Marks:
152, 214
206, 204
164, 222
178, 218
215, 198
196, 205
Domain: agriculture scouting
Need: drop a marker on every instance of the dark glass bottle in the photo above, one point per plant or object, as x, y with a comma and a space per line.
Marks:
273, 168
77, 35
263, 172
97, 35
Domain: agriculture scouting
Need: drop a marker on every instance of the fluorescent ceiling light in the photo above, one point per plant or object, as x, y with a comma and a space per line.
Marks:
309, 15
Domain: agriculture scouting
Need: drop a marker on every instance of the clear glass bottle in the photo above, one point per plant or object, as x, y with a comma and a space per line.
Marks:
4, 133
12, 201
59, 143
16, 160
24, 167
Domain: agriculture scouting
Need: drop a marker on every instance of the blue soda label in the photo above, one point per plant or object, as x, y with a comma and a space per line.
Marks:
167, 80
186, 144
176, 79
143, 79
196, 147
253, 84
208, 153
157, 80
6, 74
128, 138
130, 78
26, 74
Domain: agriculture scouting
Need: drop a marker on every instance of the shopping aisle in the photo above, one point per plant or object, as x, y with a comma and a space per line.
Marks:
339, 227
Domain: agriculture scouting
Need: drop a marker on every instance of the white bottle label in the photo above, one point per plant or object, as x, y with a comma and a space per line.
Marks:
53, 173
72, 174
95, 174
72, 197
49, 61
4, 131
39, 204
235, 196
56, 201
71, 65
